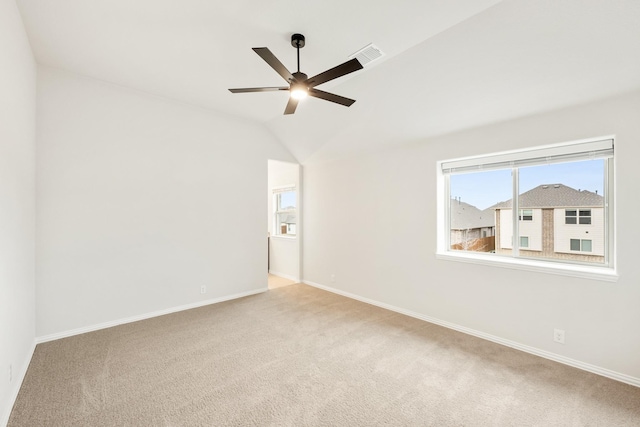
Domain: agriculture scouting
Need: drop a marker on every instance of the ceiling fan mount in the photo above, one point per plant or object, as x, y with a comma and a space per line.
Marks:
300, 85
297, 40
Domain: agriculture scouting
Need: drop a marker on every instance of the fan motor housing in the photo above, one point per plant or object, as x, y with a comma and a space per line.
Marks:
299, 77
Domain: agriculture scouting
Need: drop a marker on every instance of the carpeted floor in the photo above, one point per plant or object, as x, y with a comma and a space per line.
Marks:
299, 356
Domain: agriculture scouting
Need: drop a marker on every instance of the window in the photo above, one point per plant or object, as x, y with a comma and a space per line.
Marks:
584, 216
577, 216
570, 216
543, 199
580, 245
284, 202
575, 244
526, 215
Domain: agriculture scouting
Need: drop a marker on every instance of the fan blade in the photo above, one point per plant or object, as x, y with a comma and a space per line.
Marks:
257, 89
335, 72
331, 97
275, 63
291, 106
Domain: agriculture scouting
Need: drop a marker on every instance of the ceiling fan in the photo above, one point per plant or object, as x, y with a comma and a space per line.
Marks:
299, 84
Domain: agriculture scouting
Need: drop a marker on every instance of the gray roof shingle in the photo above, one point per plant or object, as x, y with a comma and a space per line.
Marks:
465, 216
554, 196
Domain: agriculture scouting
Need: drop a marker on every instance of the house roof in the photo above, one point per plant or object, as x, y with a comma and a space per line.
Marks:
289, 219
465, 216
554, 196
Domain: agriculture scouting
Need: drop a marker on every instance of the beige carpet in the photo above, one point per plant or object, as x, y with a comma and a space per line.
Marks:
299, 356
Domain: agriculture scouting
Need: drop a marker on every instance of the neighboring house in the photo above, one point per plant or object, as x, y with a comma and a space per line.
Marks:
287, 223
471, 228
556, 221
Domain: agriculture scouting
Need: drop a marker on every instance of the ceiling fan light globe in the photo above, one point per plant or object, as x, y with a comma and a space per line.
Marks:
299, 93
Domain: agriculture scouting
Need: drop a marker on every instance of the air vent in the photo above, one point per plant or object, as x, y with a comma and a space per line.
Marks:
368, 54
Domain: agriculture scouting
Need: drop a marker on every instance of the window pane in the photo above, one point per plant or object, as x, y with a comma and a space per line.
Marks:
471, 212
526, 215
575, 244
286, 223
585, 216
524, 242
286, 200
567, 200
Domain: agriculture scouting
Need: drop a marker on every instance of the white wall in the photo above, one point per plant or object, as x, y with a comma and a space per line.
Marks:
141, 201
371, 221
17, 202
284, 251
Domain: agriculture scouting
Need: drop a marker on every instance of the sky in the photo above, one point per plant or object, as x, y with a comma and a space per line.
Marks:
288, 199
484, 189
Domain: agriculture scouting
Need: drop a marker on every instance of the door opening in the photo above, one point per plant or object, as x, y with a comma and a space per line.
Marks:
283, 230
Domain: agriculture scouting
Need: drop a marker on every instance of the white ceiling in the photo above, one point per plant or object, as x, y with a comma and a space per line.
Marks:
449, 64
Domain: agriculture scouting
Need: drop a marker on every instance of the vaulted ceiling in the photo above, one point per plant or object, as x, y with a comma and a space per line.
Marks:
448, 65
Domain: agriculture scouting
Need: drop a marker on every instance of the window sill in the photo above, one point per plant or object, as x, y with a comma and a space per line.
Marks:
587, 272
280, 236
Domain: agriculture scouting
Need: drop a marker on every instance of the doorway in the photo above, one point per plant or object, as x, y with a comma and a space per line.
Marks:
283, 219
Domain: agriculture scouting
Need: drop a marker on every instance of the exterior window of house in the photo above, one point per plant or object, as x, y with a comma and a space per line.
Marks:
584, 216
545, 199
570, 216
577, 216
526, 215
575, 244
284, 203
580, 245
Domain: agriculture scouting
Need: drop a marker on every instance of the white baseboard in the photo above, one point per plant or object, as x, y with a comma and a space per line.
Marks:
286, 276
17, 383
532, 350
91, 328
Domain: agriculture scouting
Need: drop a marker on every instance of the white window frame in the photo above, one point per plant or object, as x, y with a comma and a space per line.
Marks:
601, 147
277, 191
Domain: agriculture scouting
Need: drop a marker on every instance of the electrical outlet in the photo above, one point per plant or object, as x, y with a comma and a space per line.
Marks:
558, 335
333, 278
203, 289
